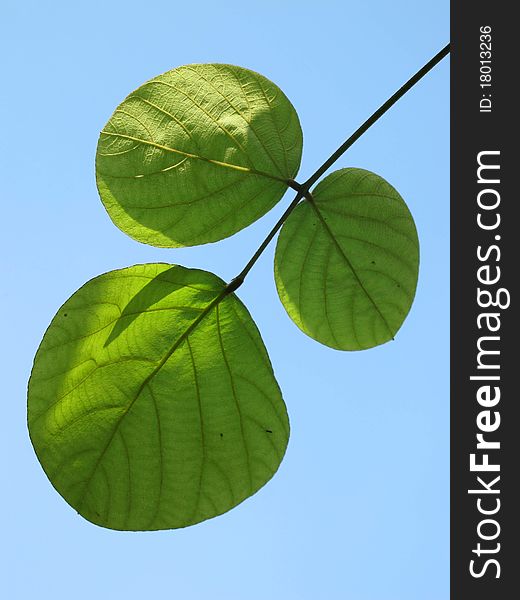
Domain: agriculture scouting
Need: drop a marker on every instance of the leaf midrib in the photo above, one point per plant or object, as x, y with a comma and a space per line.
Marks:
224, 292
219, 163
348, 263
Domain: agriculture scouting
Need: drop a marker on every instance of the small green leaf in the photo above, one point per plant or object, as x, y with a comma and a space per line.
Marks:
346, 263
197, 154
152, 401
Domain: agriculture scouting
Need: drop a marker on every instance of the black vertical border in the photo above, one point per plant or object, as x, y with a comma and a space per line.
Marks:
472, 132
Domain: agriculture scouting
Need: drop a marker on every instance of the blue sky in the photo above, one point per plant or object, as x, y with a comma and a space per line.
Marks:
359, 507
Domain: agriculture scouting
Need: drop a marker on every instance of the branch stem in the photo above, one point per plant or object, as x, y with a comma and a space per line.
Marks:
302, 189
237, 281
376, 116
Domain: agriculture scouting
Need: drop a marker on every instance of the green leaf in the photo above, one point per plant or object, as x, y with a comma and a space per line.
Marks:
346, 263
152, 401
197, 154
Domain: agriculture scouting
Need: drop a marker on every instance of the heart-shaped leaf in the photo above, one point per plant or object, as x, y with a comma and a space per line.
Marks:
152, 401
346, 263
197, 154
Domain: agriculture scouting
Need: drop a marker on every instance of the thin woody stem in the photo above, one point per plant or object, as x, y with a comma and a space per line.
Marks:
377, 115
237, 281
302, 190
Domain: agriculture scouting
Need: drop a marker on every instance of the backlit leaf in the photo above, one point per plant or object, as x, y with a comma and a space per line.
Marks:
346, 264
152, 401
197, 154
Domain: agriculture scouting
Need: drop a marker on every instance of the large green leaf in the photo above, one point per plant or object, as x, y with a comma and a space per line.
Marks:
197, 154
346, 263
152, 401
